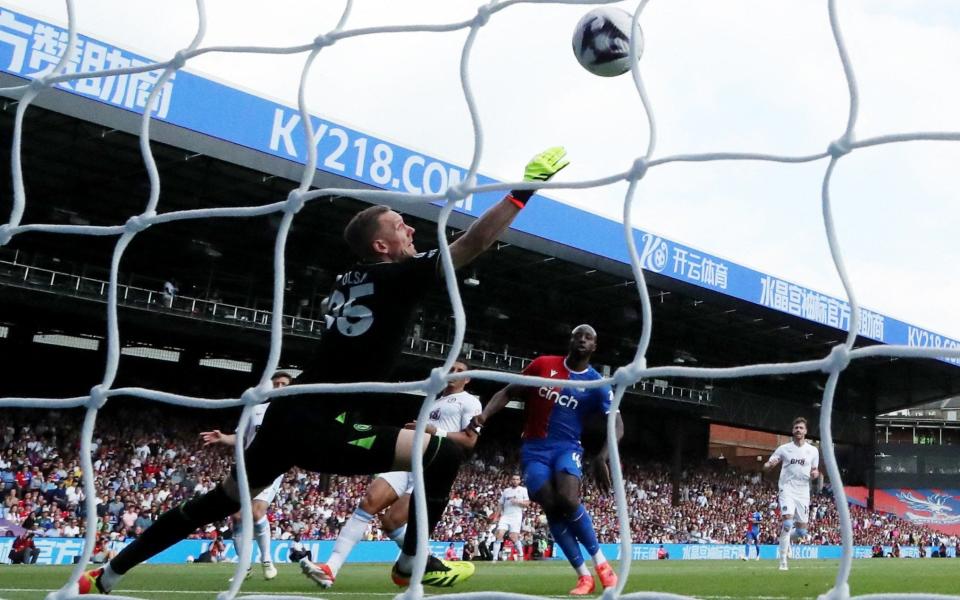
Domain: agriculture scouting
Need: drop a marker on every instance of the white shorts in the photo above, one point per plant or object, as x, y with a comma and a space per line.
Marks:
510, 523
400, 481
794, 507
269, 493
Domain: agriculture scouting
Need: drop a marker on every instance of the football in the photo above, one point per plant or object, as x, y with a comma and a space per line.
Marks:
601, 41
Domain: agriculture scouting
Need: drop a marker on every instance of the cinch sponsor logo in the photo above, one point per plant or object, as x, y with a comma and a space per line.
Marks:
558, 398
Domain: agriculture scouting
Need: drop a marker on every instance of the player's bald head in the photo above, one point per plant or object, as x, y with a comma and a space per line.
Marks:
584, 328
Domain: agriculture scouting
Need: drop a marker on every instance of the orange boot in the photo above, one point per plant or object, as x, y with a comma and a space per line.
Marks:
607, 576
585, 586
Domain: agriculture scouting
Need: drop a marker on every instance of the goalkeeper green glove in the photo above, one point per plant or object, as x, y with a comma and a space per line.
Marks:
540, 168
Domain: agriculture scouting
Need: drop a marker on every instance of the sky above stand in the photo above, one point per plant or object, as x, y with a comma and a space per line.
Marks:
736, 76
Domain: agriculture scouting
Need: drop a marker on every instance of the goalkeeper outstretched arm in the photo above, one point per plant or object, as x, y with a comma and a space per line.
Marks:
485, 230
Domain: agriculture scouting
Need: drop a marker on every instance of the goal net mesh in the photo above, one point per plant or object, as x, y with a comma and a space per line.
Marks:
832, 364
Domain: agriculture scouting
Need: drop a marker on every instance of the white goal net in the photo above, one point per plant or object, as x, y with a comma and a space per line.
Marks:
633, 170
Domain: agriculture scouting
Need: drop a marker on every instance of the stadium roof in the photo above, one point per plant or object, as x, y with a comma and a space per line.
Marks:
83, 166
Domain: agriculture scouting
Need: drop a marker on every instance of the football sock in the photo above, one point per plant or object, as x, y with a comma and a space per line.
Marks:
109, 578
567, 541
784, 544
174, 525
350, 534
261, 529
397, 535
441, 461
599, 558
582, 527
496, 550
237, 529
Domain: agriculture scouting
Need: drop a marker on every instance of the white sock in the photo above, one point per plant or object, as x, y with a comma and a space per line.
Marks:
350, 534
109, 579
397, 535
784, 544
404, 563
261, 530
599, 558
582, 570
496, 550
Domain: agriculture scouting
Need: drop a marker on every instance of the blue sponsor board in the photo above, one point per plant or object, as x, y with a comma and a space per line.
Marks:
63, 551
29, 48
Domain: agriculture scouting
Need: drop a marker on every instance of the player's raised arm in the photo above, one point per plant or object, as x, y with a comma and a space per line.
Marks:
773, 461
485, 230
496, 404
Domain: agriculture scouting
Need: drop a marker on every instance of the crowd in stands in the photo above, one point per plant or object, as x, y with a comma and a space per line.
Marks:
147, 460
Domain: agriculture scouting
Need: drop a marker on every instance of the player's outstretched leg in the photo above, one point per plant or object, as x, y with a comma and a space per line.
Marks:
441, 461
351, 533
172, 526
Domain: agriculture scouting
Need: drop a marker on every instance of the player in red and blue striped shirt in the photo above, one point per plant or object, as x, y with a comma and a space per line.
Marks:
551, 454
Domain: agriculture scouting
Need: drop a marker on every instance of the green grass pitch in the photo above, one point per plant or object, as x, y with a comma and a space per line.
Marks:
703, 579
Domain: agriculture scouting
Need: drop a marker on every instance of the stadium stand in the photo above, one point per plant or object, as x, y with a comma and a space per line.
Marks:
147, 459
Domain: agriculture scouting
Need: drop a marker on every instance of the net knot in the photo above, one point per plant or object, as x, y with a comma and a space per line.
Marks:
98, 397
6, 233
840, 147
179, 60
295, 201
252, 396
457, 192
483, 16
322, 41
38, 84
437, 381
138, 223
627, 375
638, 169
838, 360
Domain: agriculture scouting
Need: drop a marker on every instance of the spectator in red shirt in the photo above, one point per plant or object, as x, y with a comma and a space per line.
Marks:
24, 551
451, 553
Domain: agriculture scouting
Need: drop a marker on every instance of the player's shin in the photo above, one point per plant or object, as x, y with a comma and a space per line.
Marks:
567, 540
397, 535
261, 531
785, 540
582, 527
351, 533
441, 461
174, 525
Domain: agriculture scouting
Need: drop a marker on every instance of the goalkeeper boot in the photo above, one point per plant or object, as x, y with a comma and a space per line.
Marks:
320, 573
90, 582
607, 576
585, 586
439, 573
269, 571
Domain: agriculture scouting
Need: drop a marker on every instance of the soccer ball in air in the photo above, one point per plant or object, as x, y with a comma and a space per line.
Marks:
601, 41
